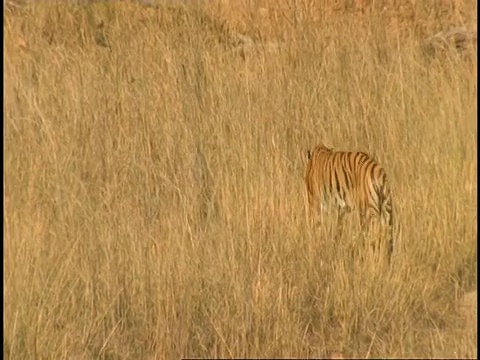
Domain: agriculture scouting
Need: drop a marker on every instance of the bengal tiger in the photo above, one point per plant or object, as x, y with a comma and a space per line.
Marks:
350, 181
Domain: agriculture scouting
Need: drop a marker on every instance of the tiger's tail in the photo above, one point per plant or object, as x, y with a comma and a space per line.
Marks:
386, 211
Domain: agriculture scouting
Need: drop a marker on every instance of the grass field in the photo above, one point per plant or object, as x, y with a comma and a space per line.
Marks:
154, 180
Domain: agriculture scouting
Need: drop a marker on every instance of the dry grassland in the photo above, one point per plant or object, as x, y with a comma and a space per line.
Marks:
154, 192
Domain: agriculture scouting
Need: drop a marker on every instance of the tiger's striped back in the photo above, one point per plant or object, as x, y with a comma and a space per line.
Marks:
349, 181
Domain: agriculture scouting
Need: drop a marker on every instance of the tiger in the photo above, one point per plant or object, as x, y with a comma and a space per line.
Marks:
350, 181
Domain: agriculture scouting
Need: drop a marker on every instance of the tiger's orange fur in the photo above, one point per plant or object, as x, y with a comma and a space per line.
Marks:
350, 181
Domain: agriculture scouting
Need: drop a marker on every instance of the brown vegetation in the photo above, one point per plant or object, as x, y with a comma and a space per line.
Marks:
154, 192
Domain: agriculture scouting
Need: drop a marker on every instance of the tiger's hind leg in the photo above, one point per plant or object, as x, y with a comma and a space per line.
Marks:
311, 210
342, 211
371, 231
380, 233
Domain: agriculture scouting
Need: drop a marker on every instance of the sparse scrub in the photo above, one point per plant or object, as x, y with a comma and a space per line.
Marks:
154, 181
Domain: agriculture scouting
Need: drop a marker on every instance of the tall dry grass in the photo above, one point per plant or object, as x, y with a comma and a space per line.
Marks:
154, 194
